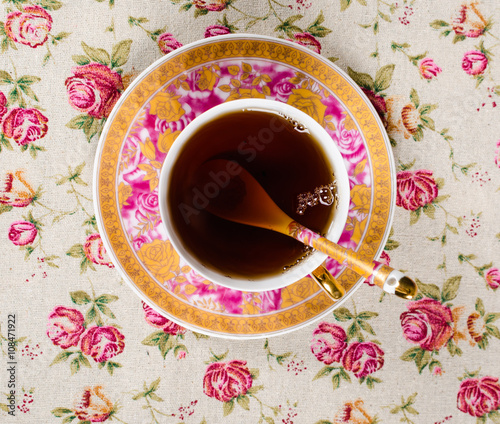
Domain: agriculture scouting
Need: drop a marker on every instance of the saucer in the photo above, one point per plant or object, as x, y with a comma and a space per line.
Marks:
160, 103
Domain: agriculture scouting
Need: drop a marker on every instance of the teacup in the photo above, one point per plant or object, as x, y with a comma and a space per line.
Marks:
169, 183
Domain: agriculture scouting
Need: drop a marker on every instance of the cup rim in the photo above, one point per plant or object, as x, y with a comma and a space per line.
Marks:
315, 259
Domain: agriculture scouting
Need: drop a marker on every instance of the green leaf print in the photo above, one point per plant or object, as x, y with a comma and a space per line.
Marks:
120, 53
97, 55
450, 288
363, 80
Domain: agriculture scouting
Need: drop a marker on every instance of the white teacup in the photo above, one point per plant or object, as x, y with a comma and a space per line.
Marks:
333, 157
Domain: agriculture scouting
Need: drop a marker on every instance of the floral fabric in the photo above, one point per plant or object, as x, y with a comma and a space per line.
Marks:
86, 349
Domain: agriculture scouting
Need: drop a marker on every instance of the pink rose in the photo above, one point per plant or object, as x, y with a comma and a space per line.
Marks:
427, 323
93, 406
29, 27
15, 191
22, 233
377, 101
102, 343
428, 69
385, 259
363, 358
283, 89
214, 30
139, 241
168, 43
3, 108
65, 326
94, 89
349, 142
469, 21
474, 62
25, 125
159, 321
173, 329
478, 396
493, 278
307, 40
147, 205
415, 189
95, 251
211, 5
328, 349
227, 380
437, 371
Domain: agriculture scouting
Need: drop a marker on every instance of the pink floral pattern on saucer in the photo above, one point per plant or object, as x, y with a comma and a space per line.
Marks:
161, 120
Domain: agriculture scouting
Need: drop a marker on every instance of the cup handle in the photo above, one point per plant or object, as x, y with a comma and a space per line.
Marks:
328, 283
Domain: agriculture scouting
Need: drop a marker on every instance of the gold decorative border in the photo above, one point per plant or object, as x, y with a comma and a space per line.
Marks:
194, 57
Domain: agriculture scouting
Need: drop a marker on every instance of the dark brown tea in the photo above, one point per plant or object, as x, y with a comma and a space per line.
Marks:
283, 157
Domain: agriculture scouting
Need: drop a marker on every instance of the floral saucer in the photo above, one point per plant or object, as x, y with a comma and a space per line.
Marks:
152, 113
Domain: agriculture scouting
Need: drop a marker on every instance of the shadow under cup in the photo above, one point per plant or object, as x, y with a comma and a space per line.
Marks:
290, 155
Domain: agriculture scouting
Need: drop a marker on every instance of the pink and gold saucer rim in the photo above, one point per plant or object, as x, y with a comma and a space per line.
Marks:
105, 184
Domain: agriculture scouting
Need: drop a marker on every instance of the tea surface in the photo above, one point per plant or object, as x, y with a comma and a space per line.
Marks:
283, 158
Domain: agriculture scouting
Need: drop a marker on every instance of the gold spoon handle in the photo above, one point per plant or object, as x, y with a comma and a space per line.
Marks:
387, 278
328, 282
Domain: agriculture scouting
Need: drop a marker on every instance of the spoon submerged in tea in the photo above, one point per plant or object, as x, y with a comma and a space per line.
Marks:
242, 199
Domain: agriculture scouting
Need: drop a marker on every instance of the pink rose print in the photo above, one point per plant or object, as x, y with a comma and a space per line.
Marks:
3, 103
497, 154
95, 251
94, 89
147, 205
15, 191
328, 349
168, 43
469, 21
159, 321
214, 30
173, 329
25, 125
415, 189
428, 69
211, 5
227, 380
474, 62
478, 396
65, 327
29, 27
303, 234
102, 343
349, 142
307, 40
437, 371
363, 358
385, 259
139, 241
93, 406
493, 278
283, 89
377, 101
22, 233
427, 323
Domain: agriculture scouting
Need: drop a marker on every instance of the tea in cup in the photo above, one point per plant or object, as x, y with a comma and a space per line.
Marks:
292, 157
